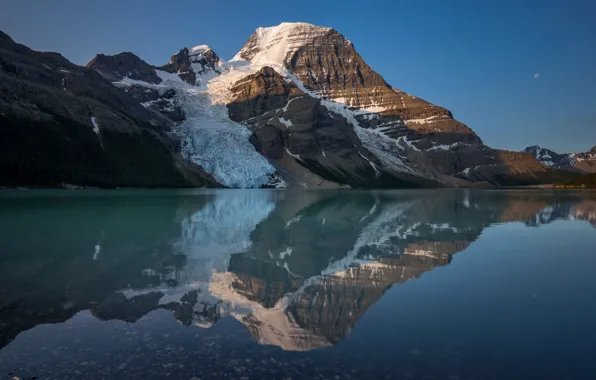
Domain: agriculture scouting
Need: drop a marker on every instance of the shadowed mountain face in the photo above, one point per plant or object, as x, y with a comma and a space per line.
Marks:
297, 269
66, 124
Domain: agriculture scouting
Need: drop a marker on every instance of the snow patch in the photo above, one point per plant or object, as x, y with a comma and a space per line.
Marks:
284, 254
287, 123
168, 79
274, 44
97, 251
426, 120
95, 125
372, 109
199, 49
444, 147
296, 156
408, 143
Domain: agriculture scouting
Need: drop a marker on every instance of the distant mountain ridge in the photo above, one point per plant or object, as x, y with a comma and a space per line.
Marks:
584, 162
296, 107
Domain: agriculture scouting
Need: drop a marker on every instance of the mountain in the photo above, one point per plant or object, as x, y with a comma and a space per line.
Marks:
296, 107
584, 162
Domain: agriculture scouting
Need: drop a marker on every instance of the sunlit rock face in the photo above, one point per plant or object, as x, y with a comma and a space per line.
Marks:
299, 270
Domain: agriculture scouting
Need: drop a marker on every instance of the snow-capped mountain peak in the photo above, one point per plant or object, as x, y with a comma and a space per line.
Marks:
274, 45
581, 162
546, 156
199, 49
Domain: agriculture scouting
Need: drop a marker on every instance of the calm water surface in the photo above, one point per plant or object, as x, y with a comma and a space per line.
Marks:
259, 284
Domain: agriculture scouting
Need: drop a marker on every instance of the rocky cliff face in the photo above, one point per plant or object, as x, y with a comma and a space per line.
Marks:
289, 124
188, 63
330, 65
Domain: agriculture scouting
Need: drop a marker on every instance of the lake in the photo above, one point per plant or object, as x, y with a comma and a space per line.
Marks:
266, 284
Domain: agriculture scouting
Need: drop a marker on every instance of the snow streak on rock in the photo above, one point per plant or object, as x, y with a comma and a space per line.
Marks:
95, 125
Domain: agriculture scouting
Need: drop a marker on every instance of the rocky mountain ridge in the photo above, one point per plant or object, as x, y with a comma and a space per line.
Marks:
296, 107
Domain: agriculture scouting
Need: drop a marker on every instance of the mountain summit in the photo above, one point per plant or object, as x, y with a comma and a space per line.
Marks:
297, 106
276, 45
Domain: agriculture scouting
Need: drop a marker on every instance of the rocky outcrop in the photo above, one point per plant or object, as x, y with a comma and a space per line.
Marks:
188, 63
66, 124
260, 93
120, 67
124, 65
180, 64
160, 100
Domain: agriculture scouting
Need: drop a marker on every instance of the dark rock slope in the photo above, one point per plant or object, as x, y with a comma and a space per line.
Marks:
66, 124
126, 71
116, 67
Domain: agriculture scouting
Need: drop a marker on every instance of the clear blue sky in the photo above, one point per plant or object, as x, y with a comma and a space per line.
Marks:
477, 58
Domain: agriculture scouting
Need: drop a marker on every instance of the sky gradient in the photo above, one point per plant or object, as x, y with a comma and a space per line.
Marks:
518, 72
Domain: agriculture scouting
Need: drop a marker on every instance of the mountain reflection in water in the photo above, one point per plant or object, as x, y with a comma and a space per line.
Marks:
297, 269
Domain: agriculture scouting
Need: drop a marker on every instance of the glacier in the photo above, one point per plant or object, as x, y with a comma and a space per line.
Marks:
209, 138
213, 141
